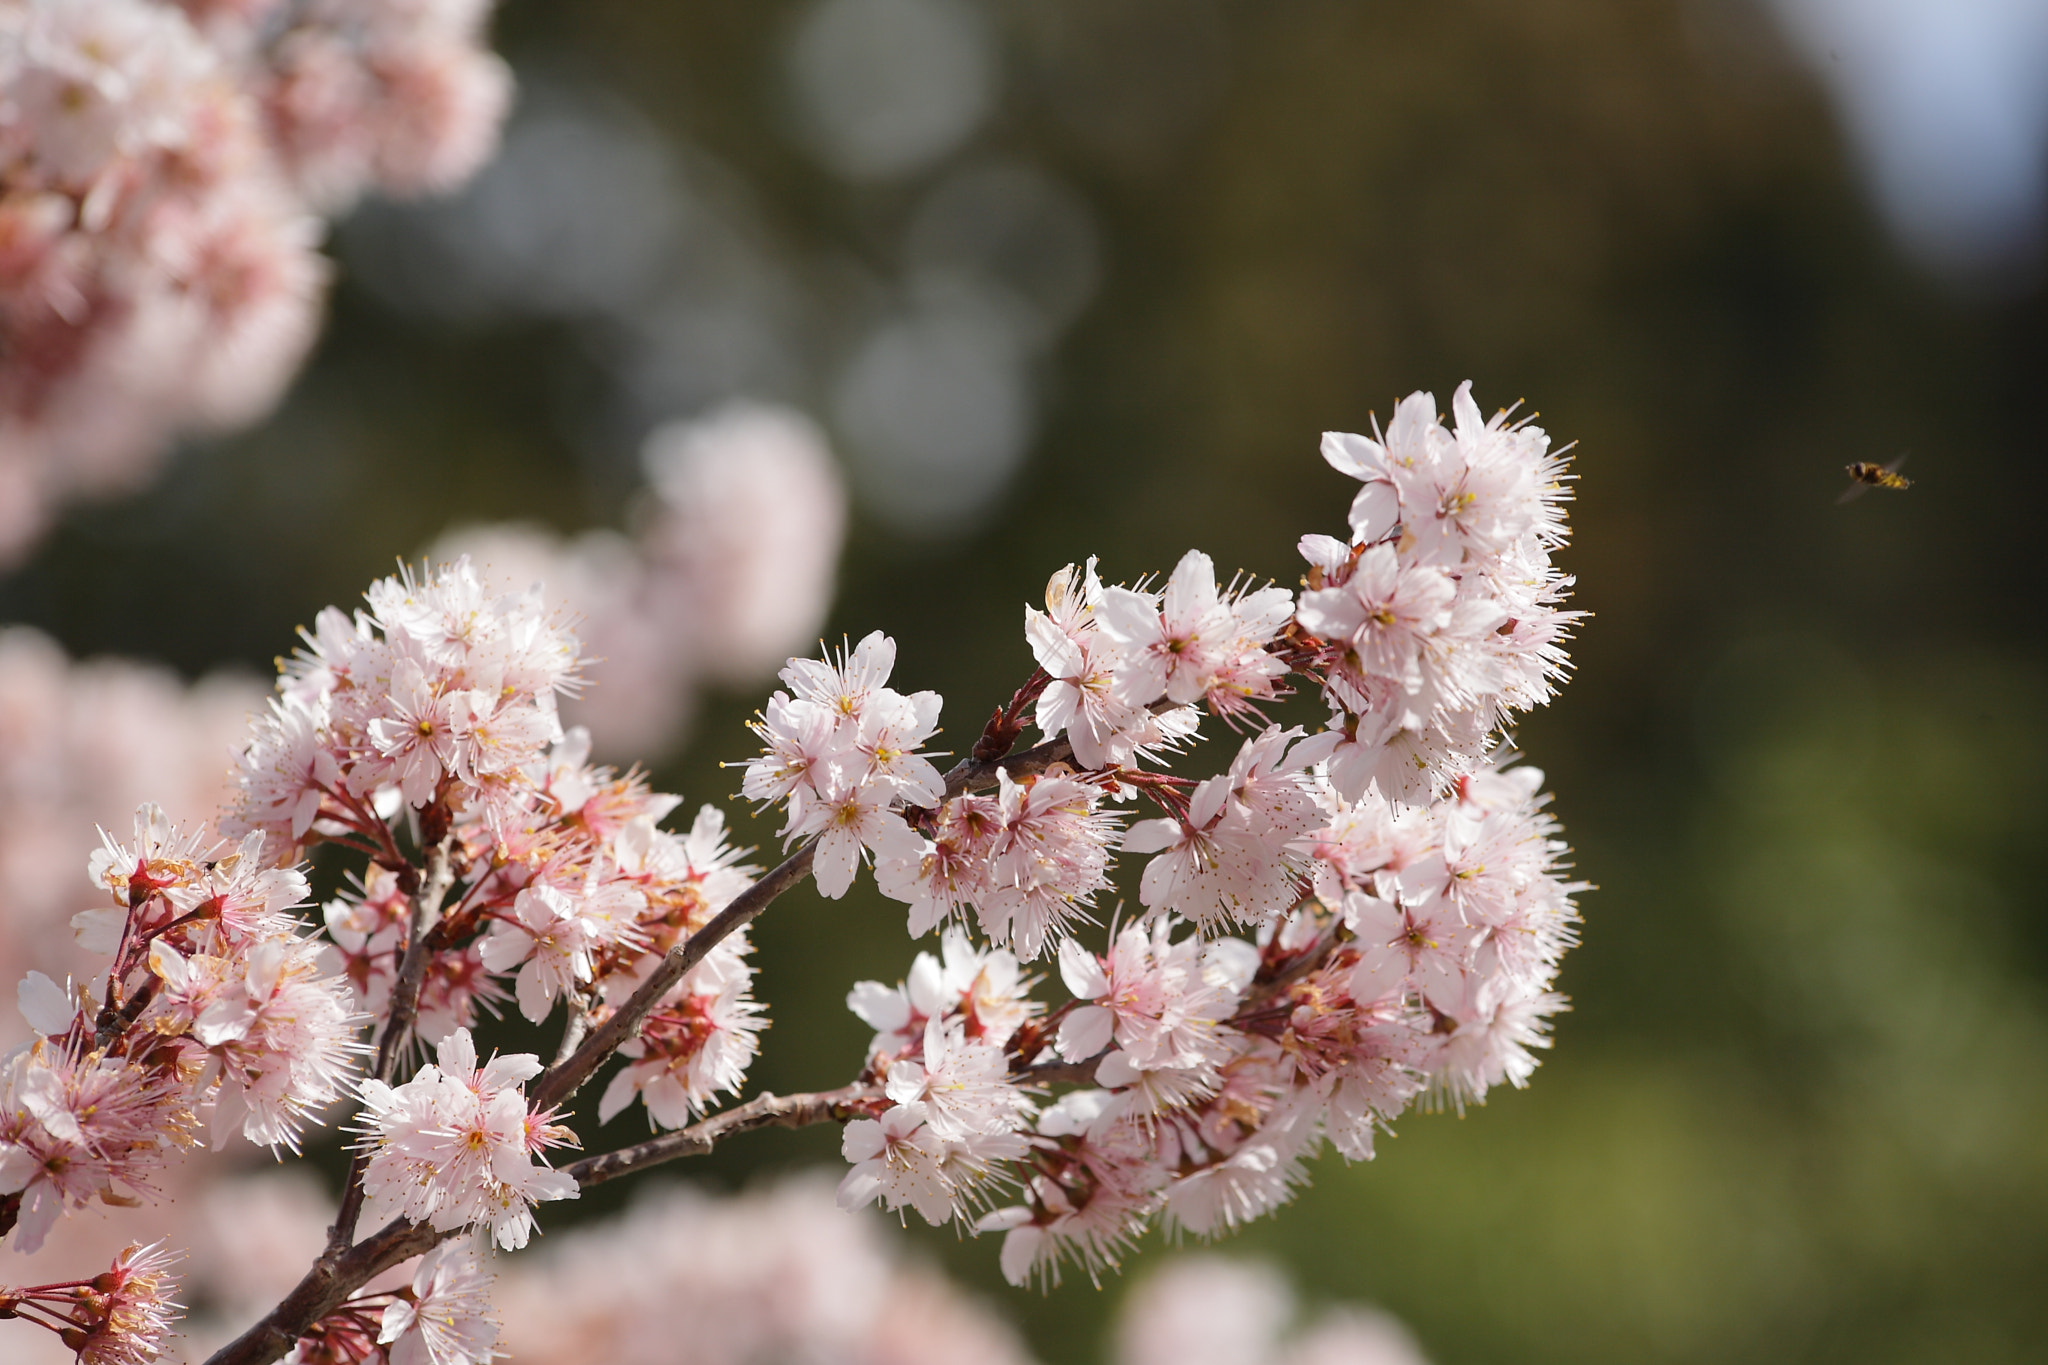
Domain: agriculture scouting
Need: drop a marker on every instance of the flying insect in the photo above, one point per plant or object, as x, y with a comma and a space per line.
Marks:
1868, 475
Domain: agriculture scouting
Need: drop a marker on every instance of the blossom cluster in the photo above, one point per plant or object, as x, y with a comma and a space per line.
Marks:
454, 1146
442, 1314
437, 707
167, 167
1439, 620
840, 753
215, 997
955, 1116
1335, 925
422, 730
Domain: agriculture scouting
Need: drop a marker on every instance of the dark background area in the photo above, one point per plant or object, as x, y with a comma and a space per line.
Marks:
1796, 1113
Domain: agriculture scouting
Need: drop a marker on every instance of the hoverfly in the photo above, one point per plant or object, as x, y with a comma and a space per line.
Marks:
1867, 475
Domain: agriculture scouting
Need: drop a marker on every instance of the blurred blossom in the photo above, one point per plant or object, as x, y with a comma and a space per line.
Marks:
1354, 1336
253, 1238
168, 172
1210, 1310
781, 1274
1947, 103
730, 571
936, 408
937, 402
888, 86
83, 744
750, 514
1204, 1310
1013, 234
777, 1275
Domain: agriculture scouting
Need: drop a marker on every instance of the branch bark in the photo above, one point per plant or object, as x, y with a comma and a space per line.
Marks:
1080, 1072
763, 1111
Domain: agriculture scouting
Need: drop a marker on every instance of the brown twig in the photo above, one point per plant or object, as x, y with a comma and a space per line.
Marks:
412, 968
1265, 989
561, 1081
763, 1111
999, 736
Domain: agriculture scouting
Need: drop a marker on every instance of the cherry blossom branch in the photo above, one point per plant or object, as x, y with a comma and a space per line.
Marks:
780, 1111
343, 1269
561, 1081
140, 892
763, 1111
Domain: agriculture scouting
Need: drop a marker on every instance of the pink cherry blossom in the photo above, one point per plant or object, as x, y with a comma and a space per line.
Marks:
455, 1146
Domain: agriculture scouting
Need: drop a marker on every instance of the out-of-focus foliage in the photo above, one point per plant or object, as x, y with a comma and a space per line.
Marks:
1796, 1113
1810, 1130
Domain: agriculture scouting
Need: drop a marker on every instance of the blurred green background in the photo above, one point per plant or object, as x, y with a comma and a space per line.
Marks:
1797, 1112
